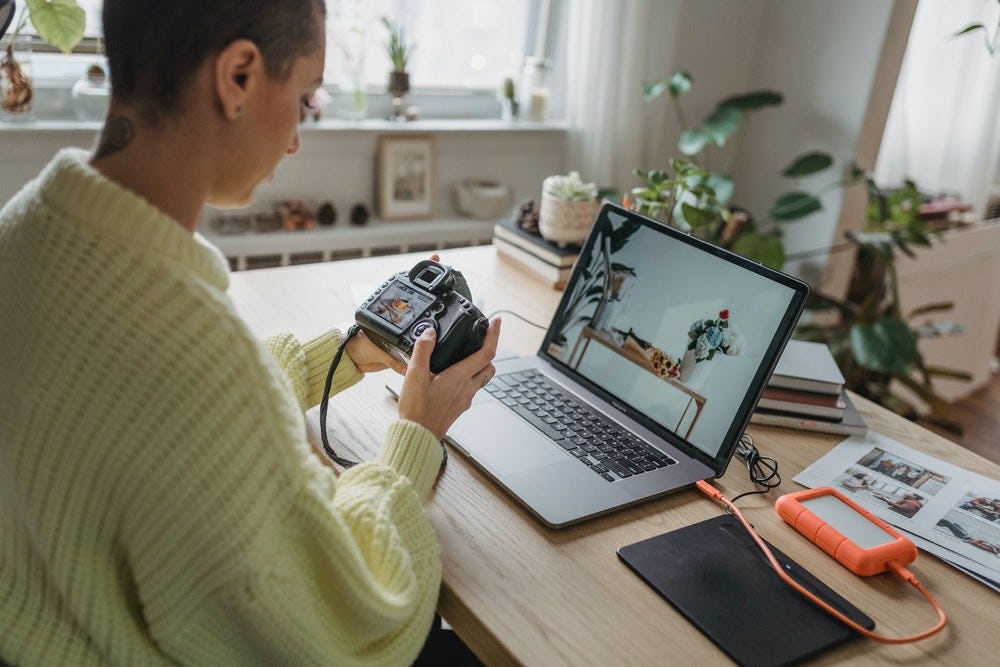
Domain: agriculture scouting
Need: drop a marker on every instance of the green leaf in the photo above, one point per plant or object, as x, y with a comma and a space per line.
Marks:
887, 346
58, 22
795, 205
697, 217
679, 83
808, 163
764, 248
722, 185
753, 100
693, 141
653, 89
722, 124
969, 28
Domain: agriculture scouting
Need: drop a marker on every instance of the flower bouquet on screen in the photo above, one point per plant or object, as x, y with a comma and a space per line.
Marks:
707, 338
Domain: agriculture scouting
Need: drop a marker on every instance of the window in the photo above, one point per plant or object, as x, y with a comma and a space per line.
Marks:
458, 43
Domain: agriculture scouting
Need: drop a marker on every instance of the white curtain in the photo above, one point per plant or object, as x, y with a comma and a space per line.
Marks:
612, 48
943, 129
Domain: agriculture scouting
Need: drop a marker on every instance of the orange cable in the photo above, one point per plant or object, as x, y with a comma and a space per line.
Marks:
897, 569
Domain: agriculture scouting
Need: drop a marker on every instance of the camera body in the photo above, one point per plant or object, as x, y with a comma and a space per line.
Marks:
428, 295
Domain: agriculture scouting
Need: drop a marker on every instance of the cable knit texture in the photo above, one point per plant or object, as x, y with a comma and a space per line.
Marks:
159, 500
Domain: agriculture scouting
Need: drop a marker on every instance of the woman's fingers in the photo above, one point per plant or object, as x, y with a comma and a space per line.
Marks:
420, 360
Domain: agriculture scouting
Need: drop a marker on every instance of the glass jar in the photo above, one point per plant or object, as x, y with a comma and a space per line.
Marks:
535, 89
17, 88
91, 94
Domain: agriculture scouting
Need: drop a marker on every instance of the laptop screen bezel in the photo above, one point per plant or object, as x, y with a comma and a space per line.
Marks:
800, 292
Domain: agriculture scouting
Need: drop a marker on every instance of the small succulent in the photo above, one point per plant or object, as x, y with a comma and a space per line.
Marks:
569, 187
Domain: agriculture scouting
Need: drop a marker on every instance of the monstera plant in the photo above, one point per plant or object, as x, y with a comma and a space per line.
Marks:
696, 199
872, 339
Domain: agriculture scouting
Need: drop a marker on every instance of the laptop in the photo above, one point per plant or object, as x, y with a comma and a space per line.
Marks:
647, 376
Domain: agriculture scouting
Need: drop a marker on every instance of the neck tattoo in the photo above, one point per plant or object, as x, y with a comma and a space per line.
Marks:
117, 134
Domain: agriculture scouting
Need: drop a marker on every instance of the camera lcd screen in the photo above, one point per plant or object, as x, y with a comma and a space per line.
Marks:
399, 305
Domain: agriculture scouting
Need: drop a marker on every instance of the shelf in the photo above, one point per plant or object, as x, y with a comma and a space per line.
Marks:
378, 237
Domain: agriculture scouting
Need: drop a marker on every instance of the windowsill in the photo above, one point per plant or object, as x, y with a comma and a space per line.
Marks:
334, 125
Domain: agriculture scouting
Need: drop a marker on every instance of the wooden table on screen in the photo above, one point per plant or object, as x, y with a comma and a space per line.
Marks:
589, 333
518, 592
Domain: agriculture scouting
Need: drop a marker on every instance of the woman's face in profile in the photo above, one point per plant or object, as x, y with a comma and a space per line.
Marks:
271, 124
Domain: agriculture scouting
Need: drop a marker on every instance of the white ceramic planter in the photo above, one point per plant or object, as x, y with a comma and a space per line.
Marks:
693, 373
566, 222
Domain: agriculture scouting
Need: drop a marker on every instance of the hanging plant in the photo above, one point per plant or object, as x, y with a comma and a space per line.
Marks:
58, 22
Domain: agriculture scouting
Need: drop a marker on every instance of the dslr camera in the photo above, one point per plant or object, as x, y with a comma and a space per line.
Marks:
428, 295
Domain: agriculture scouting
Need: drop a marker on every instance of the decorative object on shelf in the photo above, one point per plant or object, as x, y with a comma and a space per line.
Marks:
568, 208
482, 199
525, 216
708, 337
399, 78
91, 94
353, 44
406, 177
58, 23
509, 106
295, 215
327, 214
534, 103
359, 214
7, 8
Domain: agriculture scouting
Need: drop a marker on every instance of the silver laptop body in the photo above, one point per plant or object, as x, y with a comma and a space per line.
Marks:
640, 295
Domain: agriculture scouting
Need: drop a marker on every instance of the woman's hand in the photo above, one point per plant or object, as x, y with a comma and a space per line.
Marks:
436, 401
369, 358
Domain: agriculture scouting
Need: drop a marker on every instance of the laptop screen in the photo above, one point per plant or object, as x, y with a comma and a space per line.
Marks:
681, 334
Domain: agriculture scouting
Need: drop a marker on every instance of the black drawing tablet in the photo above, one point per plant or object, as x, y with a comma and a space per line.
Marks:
718, 578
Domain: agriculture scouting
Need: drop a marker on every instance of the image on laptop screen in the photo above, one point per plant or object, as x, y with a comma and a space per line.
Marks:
674, 331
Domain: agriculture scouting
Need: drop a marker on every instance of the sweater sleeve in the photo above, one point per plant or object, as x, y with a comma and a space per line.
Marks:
307, 365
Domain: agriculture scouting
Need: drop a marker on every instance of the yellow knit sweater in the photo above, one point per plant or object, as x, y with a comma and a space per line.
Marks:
159, 500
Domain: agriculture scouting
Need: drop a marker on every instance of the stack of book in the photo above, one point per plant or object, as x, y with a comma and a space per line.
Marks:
806, 391
544, 258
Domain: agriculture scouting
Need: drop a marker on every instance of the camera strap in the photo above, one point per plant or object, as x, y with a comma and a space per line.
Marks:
325, 403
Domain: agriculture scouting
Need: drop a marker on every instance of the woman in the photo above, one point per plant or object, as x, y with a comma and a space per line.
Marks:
159, 500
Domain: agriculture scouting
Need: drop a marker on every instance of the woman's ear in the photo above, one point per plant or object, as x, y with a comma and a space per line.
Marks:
237, 68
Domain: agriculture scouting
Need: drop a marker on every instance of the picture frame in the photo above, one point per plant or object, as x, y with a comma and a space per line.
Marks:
406, 177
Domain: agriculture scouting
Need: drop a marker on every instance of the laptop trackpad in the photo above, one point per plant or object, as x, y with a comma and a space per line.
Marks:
501, 441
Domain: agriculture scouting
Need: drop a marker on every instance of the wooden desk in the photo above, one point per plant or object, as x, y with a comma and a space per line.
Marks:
589, 333
518, 592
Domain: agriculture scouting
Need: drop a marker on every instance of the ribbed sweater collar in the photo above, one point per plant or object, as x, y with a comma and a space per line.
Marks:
82, 194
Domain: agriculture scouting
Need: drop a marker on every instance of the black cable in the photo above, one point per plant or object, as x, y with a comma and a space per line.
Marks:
763, 469
325, 403
520, 317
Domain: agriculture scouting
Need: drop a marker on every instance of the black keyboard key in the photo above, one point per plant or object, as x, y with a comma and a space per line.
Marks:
536, 422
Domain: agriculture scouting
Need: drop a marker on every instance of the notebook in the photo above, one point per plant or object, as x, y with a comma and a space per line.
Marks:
648, 373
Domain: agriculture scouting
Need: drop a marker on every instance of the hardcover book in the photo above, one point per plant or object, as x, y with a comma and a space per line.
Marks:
802, 403
807, 366
850, 424
556, 276
508, 230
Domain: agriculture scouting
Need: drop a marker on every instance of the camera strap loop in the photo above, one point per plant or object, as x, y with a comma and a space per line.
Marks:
325, 403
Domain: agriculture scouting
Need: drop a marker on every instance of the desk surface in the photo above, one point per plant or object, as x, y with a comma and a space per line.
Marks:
518, 592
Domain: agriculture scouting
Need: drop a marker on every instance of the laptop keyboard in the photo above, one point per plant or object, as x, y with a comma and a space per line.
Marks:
605, 447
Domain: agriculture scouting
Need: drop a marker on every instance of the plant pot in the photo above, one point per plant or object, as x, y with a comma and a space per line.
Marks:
399, 83
17, 88
566, 222
692, 372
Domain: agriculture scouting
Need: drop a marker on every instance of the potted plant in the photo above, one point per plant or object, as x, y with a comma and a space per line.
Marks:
697, 200
872, 340
399, 52
508, 99
567, 209
58, 22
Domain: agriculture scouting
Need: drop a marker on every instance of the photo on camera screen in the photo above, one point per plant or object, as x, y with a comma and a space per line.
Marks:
672, 330
399, 305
